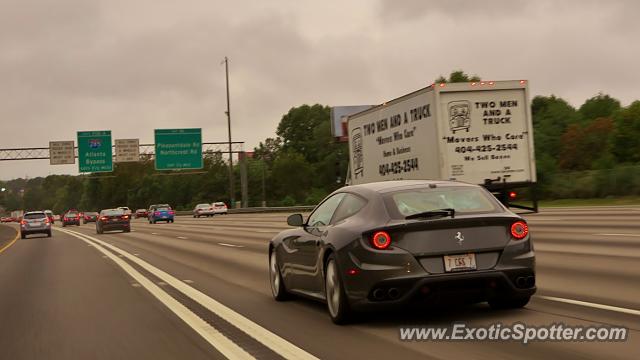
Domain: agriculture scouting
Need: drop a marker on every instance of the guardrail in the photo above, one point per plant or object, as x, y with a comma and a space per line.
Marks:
633, 210
254, 210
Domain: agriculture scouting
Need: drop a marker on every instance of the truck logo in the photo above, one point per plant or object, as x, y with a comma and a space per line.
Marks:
459, 115
358, 159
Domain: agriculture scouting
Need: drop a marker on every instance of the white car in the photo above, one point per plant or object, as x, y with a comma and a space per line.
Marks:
220, 208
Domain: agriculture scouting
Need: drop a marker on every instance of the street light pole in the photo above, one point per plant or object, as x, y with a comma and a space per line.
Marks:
228, 112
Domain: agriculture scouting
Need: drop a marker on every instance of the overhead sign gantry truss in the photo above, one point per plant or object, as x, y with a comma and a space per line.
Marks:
147, 151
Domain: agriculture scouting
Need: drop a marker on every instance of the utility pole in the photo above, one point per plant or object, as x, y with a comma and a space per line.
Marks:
264, 193
228, 112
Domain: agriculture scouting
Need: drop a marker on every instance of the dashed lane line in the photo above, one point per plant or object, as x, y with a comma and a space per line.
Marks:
591, 305
230, 245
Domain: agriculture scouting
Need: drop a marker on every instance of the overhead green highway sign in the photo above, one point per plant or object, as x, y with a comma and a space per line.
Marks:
94, 151
178, 149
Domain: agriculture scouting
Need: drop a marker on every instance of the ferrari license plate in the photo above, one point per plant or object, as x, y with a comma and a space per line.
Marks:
460, 262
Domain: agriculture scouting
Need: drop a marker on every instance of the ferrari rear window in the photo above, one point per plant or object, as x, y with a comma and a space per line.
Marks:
462, 199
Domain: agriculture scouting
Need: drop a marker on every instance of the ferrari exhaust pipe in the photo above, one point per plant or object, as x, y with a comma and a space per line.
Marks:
378, 294
393, 293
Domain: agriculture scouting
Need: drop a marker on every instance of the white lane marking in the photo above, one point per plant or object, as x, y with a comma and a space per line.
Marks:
182, 237
636, 235
154, 233
592, 305
135, 284
230, 245
188, 281
162, 283
209, 333
136, 254
272, 341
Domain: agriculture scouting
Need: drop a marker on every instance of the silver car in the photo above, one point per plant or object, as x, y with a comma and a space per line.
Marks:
203, 210
35, 222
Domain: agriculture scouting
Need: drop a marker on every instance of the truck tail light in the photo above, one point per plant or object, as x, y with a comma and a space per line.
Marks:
381, 240
519, 230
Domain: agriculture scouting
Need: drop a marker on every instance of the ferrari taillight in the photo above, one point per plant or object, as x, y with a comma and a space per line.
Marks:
381, 240
519, 230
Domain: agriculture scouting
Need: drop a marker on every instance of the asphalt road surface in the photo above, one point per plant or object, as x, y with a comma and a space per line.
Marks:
198, 288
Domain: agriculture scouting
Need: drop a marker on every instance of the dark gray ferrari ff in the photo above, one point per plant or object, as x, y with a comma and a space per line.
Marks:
371, 246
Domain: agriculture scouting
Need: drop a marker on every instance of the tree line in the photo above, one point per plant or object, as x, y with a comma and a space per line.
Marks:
589, 151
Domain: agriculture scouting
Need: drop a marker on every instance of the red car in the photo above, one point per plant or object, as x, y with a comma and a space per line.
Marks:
71, 217
142, 213
89, 216
7, 219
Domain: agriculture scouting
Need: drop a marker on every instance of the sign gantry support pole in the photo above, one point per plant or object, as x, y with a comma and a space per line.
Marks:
228, 112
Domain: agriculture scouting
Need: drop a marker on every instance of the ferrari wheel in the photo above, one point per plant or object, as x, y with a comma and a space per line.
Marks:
277, 285
336, 299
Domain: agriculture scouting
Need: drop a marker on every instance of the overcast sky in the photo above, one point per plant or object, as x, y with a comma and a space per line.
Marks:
135, 65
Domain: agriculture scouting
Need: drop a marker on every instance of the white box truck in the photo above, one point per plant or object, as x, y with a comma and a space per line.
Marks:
476, 132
